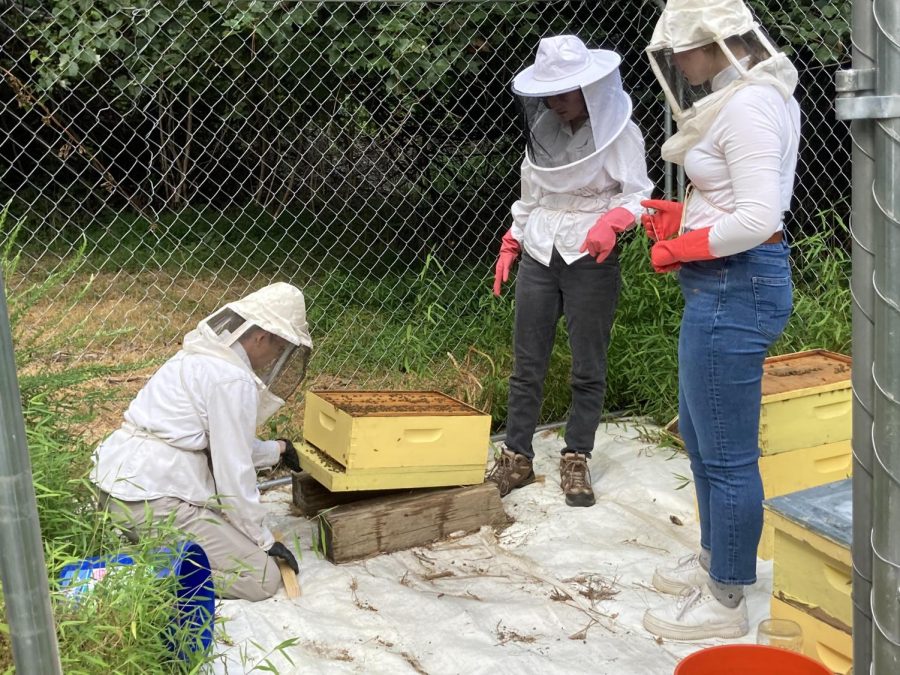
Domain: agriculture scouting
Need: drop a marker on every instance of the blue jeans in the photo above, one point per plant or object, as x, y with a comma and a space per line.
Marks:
586, 293
735, 308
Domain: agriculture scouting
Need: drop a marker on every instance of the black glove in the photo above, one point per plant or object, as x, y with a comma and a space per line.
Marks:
281, 551
289, 458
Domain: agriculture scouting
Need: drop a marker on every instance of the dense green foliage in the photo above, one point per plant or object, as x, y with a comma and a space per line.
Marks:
398, 106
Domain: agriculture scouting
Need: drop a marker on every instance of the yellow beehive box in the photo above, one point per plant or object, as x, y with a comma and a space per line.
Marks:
362, 440
806, 401
766, 548
828, 644
812, 566
795, 470
801, 469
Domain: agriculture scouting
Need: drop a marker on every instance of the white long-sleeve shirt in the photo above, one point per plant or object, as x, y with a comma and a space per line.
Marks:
193, 402
743, 169
544, 220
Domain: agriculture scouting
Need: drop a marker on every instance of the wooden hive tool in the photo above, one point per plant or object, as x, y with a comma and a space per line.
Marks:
288, 576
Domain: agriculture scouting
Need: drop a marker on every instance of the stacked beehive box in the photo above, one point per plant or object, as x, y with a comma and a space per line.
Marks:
389, 470
812, 569
382, 440
805, 425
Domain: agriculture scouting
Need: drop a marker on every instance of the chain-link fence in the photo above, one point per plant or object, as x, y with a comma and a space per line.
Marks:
160, 157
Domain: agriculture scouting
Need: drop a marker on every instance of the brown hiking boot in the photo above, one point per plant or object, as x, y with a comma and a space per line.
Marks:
511, 470
575, 479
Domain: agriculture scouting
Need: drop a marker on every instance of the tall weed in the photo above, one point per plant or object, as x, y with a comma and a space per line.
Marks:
125, 623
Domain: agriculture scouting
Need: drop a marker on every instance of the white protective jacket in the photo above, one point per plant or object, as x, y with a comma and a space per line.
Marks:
194, 402
544, 218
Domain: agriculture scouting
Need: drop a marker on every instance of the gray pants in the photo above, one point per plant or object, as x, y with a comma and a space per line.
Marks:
240, 568
586, 293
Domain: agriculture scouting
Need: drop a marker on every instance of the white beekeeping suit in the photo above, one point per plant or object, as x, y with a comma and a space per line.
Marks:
571, 176
688, 24
190, 433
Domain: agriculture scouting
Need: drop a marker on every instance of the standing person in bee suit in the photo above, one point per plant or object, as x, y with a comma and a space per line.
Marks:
583, 177
731, 94
187, 452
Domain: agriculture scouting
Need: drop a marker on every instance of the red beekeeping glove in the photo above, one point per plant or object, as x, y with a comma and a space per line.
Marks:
509, 251
601, 238
665, 222
667, 256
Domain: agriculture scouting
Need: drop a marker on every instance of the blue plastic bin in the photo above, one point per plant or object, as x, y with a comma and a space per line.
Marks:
195, 594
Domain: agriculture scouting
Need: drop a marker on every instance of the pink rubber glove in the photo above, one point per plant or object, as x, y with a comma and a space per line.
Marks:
667, 256
509, 251
665, 222
601, 238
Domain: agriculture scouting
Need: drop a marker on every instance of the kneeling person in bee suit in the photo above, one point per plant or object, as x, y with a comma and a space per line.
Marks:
187, 452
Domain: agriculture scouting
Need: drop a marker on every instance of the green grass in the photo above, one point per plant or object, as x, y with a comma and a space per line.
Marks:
406, 321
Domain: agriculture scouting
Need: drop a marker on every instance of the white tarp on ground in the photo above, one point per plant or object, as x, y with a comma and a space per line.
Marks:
562, 590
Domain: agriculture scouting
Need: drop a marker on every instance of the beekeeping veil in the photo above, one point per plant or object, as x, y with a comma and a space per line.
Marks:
278, 309
563, 159
686, 25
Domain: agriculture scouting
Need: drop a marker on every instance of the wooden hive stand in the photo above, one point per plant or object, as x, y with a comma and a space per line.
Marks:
362, 524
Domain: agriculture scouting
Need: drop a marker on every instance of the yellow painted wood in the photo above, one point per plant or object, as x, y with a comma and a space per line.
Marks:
338, 479
805, 418
829, 645
430, 430
806, 402
828, 547
810, 568
766, 548
800, 469
804, 573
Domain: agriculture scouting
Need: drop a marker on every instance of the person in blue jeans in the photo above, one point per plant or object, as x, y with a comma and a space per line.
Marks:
731, 93
584, 175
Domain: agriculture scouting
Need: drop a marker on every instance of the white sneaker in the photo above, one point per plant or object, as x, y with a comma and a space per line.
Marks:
697, 615
686, 573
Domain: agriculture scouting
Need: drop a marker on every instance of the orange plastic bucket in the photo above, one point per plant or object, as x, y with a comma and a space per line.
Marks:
749, 660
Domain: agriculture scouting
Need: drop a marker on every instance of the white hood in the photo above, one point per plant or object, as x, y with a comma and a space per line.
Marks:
687, 25
563, 161
279, 309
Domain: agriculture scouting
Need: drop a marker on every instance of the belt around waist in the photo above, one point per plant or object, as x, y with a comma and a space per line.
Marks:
775, 238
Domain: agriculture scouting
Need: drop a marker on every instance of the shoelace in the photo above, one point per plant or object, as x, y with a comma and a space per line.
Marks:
500, 473
689, 560
687, 599
576, 474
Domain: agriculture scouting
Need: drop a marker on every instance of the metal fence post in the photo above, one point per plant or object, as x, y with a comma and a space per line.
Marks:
862, 229
886, 364
22, 568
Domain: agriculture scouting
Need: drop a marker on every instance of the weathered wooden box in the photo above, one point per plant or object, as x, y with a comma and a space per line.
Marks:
381, 440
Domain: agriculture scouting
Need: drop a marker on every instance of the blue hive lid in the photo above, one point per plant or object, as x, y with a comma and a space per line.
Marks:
826, 510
